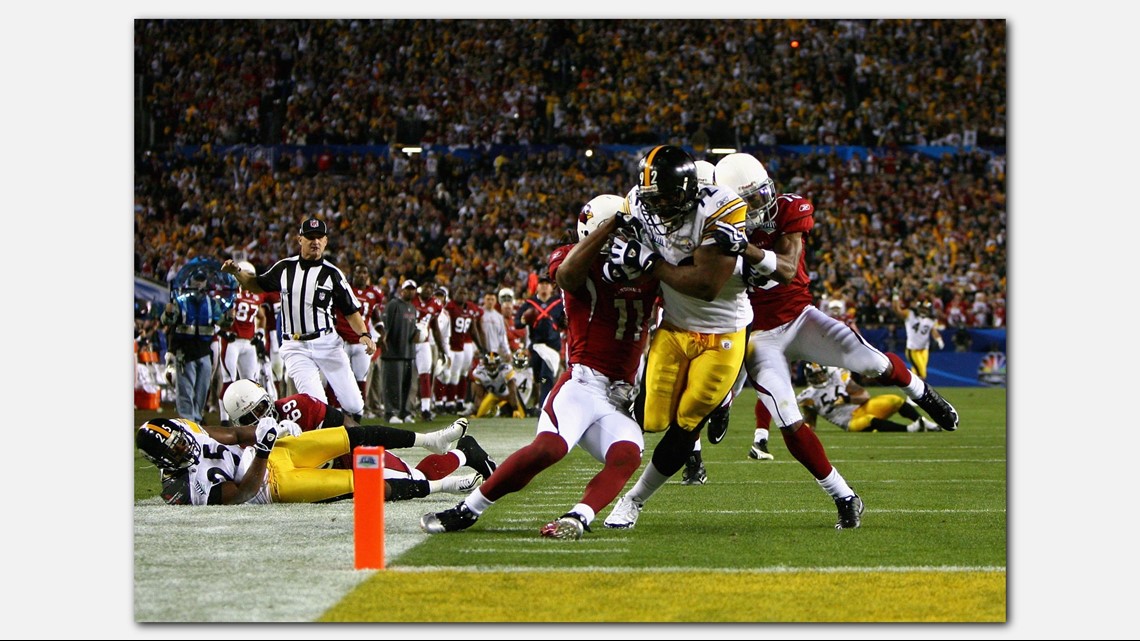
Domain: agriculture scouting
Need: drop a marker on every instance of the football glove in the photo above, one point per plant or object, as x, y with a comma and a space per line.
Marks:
258, 342
628, 226
288, 428
939, 343
266, 435
612, 273
632, 253
755, 279
729, 238
519, 413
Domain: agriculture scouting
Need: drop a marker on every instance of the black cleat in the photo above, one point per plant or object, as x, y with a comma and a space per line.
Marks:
760, 451
457, 518
477, 457
938, 408
694, 474
718, 424
850, 511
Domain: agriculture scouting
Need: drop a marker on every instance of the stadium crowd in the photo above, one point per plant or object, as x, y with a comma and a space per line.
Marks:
889, 222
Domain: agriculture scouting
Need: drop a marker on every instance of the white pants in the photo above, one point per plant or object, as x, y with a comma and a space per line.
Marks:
460, 364
306, 361
239, 360
579, 411
424, 361
812, 336
358, 360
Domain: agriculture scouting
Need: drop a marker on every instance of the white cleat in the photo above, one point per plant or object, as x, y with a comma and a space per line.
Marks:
460, 484
624, 514
442, 441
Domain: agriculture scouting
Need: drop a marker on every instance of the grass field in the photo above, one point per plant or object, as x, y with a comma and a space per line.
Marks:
755, 544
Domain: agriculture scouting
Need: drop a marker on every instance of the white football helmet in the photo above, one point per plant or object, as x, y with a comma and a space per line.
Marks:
247, 402
705, 170
505, 294
246, 267
836, 308
597, 211
745, 175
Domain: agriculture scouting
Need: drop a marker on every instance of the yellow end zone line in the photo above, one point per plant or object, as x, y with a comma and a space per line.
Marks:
611, 595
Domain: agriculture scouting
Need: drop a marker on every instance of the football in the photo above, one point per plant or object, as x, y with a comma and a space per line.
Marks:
529, 315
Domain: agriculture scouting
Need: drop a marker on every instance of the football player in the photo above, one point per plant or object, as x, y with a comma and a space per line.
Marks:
429, 346
248, 402
832, 394
696, 352
788, 327
589, 405
249, 464
921, 329
238, 357
495, 387
465, 337
371, 307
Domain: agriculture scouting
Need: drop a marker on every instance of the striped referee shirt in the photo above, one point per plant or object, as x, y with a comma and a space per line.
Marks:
309, 290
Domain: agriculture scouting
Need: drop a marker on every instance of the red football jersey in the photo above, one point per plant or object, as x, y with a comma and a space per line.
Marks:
370, 298
272, 302
246, 304
774, 304
302, 409
608, 323
463, 316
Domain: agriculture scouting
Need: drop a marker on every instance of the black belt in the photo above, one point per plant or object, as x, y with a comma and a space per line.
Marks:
307, 337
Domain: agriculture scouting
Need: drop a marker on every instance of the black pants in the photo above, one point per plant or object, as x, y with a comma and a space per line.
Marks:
397, 374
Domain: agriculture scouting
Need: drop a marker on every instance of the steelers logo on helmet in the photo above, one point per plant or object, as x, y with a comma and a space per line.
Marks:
167, 443
667, 187
521, 359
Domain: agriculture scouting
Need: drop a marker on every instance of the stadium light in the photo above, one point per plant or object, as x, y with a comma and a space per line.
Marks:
722, 150
412, 150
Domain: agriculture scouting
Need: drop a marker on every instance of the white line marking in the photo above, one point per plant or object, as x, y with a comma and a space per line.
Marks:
931, 569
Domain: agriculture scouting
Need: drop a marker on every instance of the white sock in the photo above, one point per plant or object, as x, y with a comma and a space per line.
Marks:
761, 435
697, 445
476, 502
425, 404
586, 511
651, 480
916, 387
461, 456
835, 486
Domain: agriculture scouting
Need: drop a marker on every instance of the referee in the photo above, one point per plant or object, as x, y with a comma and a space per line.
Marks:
310, 287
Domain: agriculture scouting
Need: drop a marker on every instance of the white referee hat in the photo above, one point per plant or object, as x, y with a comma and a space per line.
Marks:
408, 283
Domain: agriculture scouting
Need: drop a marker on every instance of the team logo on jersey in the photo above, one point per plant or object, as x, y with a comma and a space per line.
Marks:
726, 344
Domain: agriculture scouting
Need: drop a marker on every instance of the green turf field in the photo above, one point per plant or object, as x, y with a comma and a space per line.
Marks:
756, 543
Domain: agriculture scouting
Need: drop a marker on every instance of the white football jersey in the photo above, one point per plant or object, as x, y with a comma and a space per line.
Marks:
830, 399
918, 331
496, 384
217, 463
730, 311
524, 381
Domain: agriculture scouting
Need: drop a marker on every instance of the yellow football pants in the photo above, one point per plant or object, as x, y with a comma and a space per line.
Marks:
882, 407
294, 467
918, 359
688, 374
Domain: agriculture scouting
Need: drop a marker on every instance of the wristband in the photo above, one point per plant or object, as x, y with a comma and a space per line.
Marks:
261, 452
767, 264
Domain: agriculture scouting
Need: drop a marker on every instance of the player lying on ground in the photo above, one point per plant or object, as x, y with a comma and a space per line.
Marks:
203, 465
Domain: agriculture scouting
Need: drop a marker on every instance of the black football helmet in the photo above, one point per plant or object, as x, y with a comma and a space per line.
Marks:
816, 374
168, 444
493, 363
667, 187
925, 309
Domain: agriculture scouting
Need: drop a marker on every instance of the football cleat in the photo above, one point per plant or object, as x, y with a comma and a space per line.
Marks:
455, 519
439, 441
759, 451
477, 458
460, 484
938, 408
694, 474
624, 514
718, 423
568, 526
850, 510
